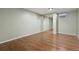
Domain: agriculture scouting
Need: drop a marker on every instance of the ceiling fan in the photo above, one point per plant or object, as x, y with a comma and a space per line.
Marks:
50, 9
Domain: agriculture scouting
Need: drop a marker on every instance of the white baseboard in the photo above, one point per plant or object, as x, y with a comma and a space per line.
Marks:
24, 36
78, 37
18, 37
54, 32
67, 34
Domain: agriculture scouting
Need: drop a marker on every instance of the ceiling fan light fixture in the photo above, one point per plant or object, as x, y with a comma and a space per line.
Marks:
50, 9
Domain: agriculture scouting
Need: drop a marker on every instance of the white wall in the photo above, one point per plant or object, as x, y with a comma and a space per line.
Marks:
54, 23
46, 25
18, 22
78, 22
67, 25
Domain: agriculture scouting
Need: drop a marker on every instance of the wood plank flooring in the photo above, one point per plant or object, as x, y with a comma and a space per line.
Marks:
45, 41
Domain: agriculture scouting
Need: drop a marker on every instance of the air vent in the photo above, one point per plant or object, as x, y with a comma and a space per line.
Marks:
63, 15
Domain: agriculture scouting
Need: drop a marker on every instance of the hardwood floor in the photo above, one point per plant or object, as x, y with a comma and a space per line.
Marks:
45, 41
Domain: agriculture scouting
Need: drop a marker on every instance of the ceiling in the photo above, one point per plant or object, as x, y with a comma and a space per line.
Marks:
47, 12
